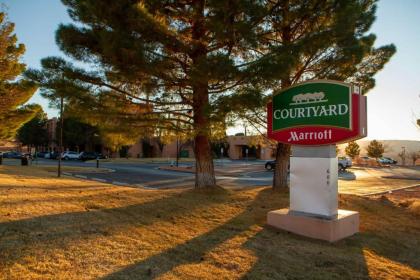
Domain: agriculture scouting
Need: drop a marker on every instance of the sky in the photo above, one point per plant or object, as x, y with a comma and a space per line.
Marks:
393, 104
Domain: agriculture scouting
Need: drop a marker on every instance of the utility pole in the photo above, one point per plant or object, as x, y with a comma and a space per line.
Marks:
221, 156
60, 149
403, 155
177, 150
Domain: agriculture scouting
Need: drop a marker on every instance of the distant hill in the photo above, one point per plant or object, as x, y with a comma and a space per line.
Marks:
392, 148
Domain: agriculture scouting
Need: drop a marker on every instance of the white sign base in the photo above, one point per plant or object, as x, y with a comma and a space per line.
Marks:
314, 197
313, 186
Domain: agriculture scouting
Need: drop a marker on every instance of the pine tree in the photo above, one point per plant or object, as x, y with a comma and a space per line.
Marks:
34, 132
189, 63
414, 157
352, 149
78, 135
13, 91
375, 149
177, 57
322, 40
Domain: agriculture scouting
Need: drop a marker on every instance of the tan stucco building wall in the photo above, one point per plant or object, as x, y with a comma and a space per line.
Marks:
168, 151
239, 144
237, 149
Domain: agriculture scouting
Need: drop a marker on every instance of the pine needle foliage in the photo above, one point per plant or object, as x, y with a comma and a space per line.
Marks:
321, 40
352, 149
14, 92
187, 66
375, 149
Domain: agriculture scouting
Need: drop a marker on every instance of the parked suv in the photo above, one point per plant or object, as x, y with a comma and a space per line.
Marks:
344, 163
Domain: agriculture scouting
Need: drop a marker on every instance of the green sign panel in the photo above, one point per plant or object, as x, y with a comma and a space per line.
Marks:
323, 103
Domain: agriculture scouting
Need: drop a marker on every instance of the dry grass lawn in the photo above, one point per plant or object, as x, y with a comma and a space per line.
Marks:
371, 181
72, 229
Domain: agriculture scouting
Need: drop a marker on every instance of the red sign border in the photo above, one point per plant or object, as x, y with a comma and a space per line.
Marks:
341, 135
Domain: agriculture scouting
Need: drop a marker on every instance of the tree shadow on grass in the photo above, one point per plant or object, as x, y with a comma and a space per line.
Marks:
194, 250
80, 196
18, 238
304, 258
280, 255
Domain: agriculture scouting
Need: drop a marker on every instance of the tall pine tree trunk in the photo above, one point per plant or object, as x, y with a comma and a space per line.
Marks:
204, 174
283, 150
282, 157
282, 166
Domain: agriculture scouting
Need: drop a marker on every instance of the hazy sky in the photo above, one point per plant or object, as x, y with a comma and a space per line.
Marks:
392, 105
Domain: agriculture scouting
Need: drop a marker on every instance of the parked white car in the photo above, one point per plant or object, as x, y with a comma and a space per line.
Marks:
69, 155
344, 163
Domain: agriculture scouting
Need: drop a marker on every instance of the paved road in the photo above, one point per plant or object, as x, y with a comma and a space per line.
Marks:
370, 181
361, 181
149, 175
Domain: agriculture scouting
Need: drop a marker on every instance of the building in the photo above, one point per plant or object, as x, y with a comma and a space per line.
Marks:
247, 147
154, 148
236, 147
10, 146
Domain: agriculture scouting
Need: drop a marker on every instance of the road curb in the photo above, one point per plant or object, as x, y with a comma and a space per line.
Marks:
120, 183
393, 190
116, 183
98, 179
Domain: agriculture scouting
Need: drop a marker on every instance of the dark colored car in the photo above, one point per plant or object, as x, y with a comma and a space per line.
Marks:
41, 154
15, 155
270, 165
52, 155
90, 156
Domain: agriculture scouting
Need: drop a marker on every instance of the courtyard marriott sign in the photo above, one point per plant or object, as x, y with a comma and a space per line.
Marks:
312, 117
317, 113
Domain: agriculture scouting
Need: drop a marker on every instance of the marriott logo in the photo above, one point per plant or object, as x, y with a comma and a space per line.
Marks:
298, 136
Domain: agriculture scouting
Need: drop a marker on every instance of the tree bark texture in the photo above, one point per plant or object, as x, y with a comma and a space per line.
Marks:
281, 171
204, 174
282, 167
